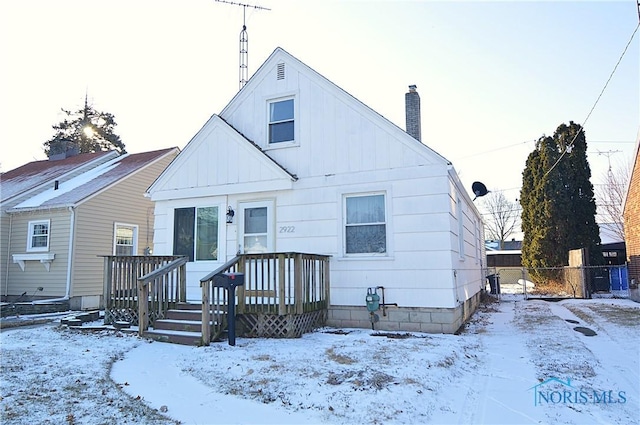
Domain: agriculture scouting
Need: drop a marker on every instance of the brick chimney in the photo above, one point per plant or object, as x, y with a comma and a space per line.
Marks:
412, 108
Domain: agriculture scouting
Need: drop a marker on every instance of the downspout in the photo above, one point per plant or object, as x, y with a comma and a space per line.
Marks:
6, 269
72, 221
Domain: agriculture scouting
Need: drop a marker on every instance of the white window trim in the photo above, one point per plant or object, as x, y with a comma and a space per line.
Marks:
296, 121
135, 236
343, 222
30, 228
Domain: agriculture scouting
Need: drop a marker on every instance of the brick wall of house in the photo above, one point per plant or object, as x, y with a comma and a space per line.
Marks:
632, 221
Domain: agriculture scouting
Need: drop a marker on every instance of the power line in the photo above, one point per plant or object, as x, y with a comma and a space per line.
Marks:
570, 145
473, 155
495, 150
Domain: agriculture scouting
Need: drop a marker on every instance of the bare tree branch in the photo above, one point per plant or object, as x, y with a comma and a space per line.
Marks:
610, 199
504, 216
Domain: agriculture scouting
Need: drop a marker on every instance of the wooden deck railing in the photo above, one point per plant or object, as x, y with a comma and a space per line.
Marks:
164, 278
279, 283
164, 288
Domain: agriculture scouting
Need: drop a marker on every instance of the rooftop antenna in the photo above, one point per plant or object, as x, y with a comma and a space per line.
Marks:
608, 155
244, 40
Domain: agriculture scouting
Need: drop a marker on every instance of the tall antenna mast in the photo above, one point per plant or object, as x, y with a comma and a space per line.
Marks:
608, 155
244, 40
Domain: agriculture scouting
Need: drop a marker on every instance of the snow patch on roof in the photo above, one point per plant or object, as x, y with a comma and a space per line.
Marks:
68, 186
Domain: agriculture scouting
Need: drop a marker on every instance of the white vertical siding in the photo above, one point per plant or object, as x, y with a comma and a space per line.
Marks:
342, 147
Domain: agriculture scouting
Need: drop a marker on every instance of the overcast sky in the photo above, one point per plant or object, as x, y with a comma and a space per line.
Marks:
492, 76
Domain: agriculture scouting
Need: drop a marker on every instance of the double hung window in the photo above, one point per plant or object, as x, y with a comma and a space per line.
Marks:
38, 238
125, 239
281, 121
365, 224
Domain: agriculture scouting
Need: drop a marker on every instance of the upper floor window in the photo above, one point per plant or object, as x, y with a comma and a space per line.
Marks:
195, 233
281, 121
125, 239
38, 239
365, 226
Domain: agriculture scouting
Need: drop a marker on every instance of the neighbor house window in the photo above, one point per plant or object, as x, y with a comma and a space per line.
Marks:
281, 121
195, 233
38, 239
365, 226
126, 236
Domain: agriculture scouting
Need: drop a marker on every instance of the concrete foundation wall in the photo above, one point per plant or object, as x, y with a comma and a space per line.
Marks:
406, 319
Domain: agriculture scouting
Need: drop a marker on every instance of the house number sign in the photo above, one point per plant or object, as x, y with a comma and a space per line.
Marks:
287, 229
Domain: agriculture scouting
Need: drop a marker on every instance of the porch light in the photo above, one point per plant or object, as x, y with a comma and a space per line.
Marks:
230, 214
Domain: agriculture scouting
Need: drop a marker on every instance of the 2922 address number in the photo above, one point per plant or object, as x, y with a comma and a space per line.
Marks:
287, 229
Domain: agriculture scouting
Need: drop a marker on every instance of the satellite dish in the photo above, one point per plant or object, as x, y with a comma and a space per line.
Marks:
479, 189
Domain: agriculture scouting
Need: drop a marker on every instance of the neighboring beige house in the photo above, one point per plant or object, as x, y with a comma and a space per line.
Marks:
59, 216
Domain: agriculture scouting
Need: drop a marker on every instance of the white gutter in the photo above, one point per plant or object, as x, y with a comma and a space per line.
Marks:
72, 220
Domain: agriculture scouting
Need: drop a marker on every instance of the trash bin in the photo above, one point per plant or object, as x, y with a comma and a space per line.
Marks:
494, 283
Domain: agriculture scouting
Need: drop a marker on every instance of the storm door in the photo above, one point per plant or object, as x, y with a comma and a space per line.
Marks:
256, 227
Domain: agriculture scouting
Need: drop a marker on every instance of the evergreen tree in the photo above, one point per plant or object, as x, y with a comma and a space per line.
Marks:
557, 199
85, 130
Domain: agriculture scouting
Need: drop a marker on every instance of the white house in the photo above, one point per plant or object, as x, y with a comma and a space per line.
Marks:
305, 167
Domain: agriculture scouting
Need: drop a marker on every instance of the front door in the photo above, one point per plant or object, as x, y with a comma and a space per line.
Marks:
256, 227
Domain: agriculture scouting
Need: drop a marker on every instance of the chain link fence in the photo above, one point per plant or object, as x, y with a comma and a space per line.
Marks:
559, 282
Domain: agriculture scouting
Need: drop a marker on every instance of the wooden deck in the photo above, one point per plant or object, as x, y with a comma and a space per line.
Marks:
284, 294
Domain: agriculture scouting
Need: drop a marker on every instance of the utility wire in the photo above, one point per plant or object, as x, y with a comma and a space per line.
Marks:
496, 149
570, 145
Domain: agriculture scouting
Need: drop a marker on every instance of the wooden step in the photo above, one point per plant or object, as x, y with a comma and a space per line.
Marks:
175, 337
184, 314
178, 325
188, 306
195, 306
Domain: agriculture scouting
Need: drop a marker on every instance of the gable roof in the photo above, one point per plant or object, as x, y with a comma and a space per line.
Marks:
30, 176
217, 137
91, 181
281, 55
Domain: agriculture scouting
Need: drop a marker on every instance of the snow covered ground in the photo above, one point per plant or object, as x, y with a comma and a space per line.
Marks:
517, 362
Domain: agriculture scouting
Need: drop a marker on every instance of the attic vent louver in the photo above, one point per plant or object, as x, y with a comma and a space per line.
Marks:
280, 71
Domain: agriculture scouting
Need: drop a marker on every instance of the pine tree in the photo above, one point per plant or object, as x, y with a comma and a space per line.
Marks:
558, 204
85, 130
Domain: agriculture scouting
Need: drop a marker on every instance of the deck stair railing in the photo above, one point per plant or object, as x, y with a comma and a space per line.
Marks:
164, 288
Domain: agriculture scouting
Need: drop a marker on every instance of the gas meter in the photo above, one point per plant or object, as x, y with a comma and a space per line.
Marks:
373, 300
